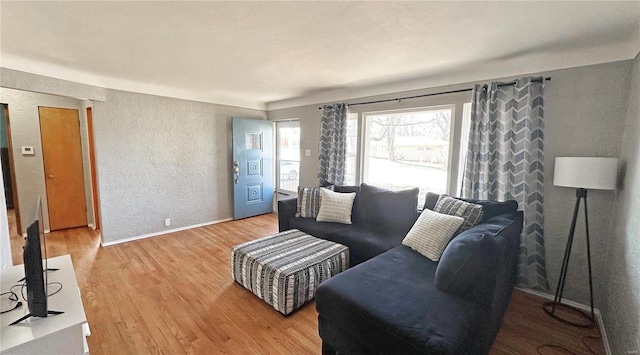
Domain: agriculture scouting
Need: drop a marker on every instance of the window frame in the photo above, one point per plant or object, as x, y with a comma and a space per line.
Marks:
285, 124
457, 131
357, 163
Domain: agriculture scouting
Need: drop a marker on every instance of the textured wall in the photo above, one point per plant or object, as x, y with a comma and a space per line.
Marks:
621, 289
309, 117
25, 131
156, 157
162, 158
14, 79
585, 111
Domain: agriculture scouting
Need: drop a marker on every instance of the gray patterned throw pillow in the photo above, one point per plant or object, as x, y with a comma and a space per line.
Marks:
309, 201
471, 212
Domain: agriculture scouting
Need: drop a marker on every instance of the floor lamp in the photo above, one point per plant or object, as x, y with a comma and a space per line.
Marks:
582, 174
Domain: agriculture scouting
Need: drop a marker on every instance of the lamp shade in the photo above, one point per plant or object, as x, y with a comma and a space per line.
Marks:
586, 173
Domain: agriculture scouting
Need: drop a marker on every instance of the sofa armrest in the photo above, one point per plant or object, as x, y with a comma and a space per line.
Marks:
286, 210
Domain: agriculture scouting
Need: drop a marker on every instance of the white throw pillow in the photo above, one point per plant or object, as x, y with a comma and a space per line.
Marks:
335, 206
431, 233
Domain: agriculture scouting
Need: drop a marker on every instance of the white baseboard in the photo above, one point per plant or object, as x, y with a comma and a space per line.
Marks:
46, 231
596, 313
603, 333
130, 239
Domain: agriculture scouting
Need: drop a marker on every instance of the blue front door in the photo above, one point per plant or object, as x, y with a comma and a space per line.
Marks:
252, 167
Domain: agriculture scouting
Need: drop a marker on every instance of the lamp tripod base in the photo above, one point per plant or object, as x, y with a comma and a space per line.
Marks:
569, 314
561, 312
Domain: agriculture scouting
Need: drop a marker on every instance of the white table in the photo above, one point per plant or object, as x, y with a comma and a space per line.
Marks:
60, 334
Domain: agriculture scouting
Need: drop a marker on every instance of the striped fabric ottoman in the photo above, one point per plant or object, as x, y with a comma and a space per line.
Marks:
285, 269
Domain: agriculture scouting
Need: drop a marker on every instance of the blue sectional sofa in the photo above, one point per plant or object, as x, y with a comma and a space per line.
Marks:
394, 300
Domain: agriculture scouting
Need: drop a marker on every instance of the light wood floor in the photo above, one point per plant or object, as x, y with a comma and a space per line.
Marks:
174, 294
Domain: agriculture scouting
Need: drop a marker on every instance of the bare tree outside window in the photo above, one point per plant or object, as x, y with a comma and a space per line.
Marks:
408, 149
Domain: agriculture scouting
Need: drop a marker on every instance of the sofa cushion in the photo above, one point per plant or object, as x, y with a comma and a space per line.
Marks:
349, 189
309, 201
469, 266
346, 189
315, 228
494, 208
335, 207
431, 233
286, 211
390, 304
365, 242
490, 208
381, 207
471, 212
464, 259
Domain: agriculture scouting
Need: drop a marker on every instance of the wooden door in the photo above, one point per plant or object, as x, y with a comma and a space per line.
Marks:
62, 155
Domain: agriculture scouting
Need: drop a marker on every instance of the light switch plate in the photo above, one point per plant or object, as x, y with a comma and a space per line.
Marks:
28, 150
307, 152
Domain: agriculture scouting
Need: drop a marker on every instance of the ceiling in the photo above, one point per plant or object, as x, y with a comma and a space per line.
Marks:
280, 54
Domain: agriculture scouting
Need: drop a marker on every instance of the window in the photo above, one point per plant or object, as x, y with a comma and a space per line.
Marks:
288, 154
405, 149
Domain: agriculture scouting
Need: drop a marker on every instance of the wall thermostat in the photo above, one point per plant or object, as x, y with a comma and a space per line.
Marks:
28, 151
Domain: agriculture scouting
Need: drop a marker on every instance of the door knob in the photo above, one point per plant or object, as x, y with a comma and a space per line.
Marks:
236, 171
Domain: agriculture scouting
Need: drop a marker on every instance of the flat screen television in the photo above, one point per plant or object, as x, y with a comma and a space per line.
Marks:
35, 266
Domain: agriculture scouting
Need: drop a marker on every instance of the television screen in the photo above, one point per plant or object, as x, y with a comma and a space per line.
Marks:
33, 257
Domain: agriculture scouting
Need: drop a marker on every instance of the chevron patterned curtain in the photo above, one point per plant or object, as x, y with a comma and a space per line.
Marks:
505, 161
333, 143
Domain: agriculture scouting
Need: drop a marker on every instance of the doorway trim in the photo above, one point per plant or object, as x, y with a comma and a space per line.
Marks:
12, 167
93, 167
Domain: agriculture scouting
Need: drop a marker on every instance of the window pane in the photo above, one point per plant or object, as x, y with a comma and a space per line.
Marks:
288, 157
289, 143
253, 141
289, 176
408, 149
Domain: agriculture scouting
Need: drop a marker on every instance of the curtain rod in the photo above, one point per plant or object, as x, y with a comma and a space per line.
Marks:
536, 80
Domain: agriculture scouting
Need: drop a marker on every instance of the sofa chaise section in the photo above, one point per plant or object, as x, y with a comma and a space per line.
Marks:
391, 304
